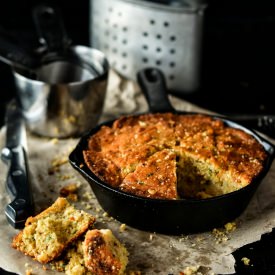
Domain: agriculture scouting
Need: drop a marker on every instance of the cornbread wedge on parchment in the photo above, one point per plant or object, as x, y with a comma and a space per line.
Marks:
46, 235
63, 237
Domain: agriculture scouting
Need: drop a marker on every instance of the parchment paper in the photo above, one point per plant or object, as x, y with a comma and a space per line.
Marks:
150, 253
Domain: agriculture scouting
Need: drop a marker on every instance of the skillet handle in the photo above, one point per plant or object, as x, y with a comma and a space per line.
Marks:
152, 83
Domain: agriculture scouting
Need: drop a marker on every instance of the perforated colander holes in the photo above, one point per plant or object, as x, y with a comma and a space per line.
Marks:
145, 59
124, 52
116, 54
116, 41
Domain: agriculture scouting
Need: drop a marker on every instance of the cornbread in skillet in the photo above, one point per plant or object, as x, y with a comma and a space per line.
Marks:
174, 156
103, 253
46, 235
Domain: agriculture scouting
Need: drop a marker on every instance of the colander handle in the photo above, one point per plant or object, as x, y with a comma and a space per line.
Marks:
152, 84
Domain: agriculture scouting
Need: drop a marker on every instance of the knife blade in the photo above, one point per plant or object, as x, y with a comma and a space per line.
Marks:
14, 154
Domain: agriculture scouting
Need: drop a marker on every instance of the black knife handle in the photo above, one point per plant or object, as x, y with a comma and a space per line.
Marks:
19, 188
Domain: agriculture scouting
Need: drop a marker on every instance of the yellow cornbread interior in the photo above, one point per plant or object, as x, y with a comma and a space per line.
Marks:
46, 235
199, 179
72, 262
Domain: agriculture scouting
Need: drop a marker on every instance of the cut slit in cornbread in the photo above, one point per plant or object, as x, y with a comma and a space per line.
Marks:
46, 235
212, 158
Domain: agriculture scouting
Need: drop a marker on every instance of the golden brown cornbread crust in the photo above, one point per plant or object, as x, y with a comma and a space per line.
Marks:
203, 157
46, 235
103, 253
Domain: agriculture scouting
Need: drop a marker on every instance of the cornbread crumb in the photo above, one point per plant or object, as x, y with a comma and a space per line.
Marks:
191, 270
122, 227
59, 161
230, 226
72, 119
199, 239
46, 235
103, 253
56, 163
88, 206
65, 177
28, 270
219, 235
246, 261
69, 191
54, 140
105, 214
87, 196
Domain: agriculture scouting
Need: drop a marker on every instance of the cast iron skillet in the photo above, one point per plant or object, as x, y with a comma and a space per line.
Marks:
168, 216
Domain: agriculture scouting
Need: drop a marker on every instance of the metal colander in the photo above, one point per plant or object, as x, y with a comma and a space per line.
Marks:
139, 34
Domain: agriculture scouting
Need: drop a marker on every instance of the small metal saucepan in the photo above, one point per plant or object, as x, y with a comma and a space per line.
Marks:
168, 216
61, 89
64, 99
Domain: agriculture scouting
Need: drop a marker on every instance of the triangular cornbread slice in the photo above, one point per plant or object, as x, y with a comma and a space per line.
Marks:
46, 235
154, 178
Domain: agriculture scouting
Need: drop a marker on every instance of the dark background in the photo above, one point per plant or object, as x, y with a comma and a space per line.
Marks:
16, 19
238, 68
238, 62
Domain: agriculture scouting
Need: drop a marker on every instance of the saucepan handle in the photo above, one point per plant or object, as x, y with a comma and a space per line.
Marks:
50, 29
152, 83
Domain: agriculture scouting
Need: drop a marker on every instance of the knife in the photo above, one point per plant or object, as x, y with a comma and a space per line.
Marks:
14, 154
